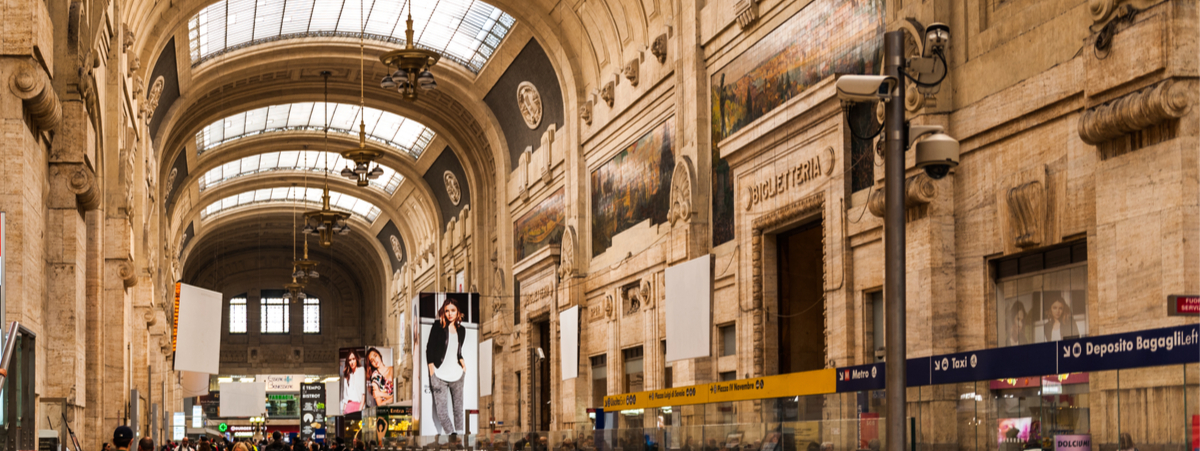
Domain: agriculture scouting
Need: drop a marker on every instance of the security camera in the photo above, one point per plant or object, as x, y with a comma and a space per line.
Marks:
542, 355
937, 35
937, 152
865, 88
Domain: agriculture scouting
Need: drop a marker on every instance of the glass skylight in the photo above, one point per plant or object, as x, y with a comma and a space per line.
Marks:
465, 31
388, 128
293, 160
292, 194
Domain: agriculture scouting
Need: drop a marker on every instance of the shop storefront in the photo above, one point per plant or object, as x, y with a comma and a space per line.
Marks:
1137, 390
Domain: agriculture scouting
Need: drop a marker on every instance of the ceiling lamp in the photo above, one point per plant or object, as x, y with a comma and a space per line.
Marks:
326, 222
295, 291
305, 268
411, 65
362, 173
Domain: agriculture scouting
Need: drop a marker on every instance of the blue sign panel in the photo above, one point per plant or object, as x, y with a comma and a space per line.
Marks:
861, 377
918, 371
1167, 346
996, 363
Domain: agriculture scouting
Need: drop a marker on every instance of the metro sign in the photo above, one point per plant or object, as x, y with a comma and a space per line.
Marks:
1183, 305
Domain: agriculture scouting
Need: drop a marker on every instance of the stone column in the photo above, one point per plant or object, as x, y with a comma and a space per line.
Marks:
66, 266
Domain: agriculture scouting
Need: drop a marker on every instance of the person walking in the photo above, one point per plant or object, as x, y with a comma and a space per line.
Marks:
447, 367
276, 442
122, 436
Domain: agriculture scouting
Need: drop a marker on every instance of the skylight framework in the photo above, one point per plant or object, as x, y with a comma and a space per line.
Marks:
293, 160
465, 31
384, 127
362, 209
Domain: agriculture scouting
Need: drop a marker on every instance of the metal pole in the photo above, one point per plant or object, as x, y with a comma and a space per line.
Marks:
894, 240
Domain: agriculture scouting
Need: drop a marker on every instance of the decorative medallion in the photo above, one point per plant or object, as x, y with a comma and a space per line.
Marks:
530, 103
452, 188
396, 248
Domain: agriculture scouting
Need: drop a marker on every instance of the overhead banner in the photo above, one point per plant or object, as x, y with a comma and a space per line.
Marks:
447, 367
333, 397
353, 378
568, 323
778, 386
281, 382
199, 315
312, 409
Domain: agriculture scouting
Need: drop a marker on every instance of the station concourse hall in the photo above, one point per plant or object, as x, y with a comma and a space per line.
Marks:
599, 225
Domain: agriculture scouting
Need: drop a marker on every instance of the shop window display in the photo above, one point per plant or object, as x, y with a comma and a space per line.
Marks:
1046, 305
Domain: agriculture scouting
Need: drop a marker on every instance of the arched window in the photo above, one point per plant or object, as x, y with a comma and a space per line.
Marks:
312, 315
237, 314
274, 315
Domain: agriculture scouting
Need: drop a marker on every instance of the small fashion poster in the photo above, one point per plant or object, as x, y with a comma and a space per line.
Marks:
449, 348
353, 377
381, 386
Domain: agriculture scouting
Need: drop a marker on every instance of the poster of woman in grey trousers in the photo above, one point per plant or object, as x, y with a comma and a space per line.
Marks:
447, 367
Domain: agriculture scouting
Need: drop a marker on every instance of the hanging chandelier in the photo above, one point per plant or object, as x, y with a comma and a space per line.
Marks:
326, 222
362, 173
412, 66
305, 269
295, 291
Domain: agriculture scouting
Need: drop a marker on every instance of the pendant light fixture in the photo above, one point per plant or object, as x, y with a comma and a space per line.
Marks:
326, 222
294, 291
412, 66
362, 173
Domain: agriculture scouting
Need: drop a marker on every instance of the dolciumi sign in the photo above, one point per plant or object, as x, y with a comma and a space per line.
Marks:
1072, 443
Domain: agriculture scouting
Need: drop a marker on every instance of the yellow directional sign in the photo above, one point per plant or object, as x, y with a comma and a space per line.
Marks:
778, 386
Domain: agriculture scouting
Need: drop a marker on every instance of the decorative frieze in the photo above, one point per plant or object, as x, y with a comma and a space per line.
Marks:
1133, 112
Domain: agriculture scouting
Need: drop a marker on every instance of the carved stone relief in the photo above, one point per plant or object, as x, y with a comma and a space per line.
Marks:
918, 190
530, 103
608, 92
632, 71
171, 180
747, 13
452, 188
566, 256
585, 112
681, 192
1104, 10
659, 48
396, 251
1027, 213
1135, 111
152, 98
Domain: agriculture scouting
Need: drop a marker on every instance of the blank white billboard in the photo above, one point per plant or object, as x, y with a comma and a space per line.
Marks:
689, 309
243, 399
485, 368
198, 322
568, 323
333, 398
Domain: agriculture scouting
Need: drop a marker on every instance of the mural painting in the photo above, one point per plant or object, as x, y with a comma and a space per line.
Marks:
634, 186
826, 37
541, 226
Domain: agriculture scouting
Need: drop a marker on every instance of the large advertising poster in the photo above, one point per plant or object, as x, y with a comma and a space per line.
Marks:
312, 409
447, 366
381, 382
353, 377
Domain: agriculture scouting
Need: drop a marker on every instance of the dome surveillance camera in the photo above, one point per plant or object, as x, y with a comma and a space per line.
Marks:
937, 152
865, 88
